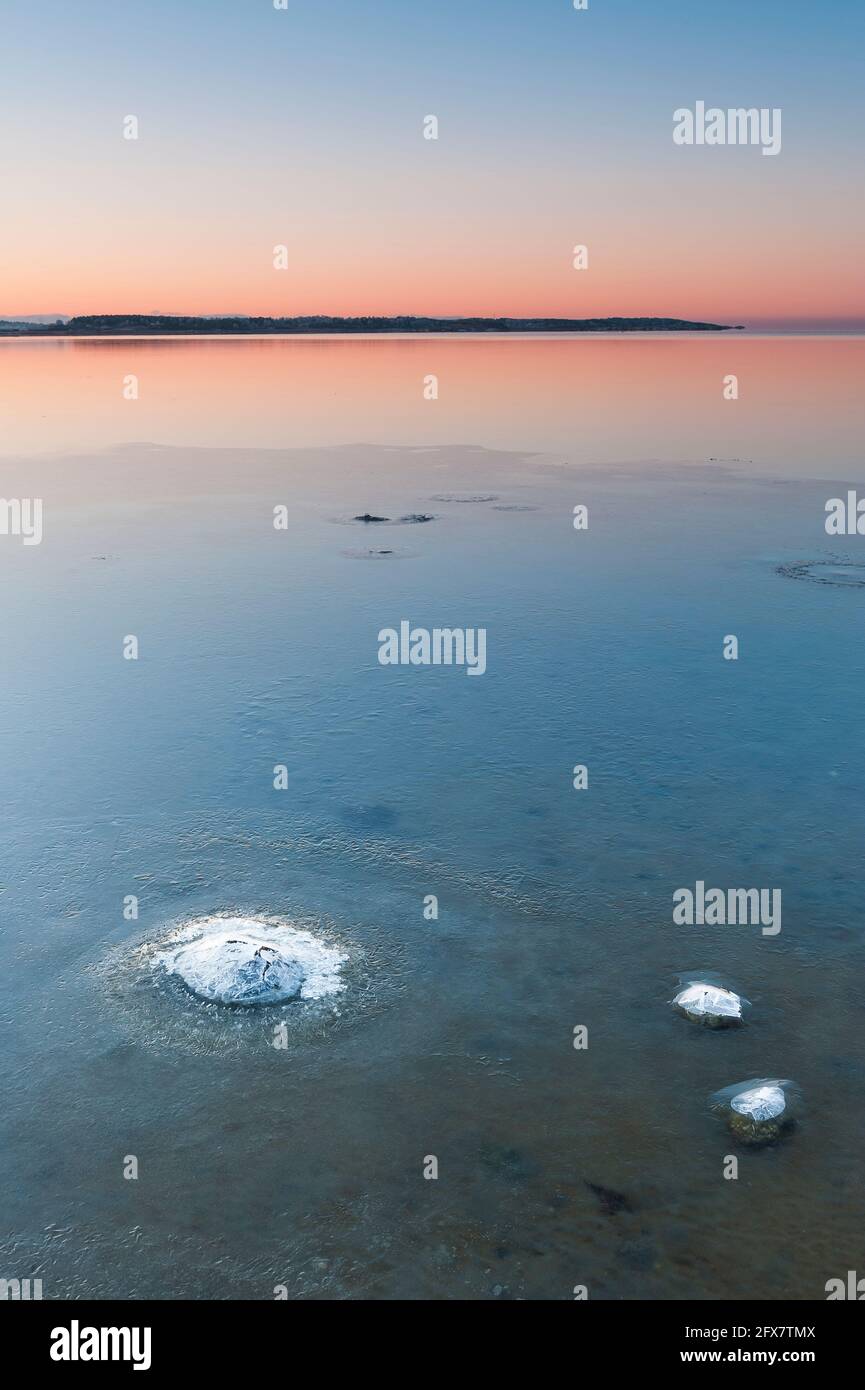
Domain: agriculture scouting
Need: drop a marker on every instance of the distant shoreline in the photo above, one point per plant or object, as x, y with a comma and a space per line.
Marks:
137, 325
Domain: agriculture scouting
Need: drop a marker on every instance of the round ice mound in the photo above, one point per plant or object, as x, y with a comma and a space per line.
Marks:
242, 960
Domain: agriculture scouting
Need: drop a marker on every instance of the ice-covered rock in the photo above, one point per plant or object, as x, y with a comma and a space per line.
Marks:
760, 1111
712, 1005
241, 960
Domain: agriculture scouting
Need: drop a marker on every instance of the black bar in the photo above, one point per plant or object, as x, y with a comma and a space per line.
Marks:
263, 1338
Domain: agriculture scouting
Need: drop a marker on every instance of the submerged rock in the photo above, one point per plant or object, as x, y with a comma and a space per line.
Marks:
377, 553
758, 1112
239, 960
707, 1002
410, 519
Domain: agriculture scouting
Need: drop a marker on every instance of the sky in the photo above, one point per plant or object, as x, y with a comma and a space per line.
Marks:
304, 128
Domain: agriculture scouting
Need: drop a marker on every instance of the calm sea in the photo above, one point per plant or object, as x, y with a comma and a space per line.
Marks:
159, 464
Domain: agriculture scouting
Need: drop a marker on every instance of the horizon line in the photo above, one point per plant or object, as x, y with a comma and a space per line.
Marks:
828, 322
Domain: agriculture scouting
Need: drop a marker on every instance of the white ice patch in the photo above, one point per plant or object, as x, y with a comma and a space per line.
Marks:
761, 1103
709, 1001
244, 960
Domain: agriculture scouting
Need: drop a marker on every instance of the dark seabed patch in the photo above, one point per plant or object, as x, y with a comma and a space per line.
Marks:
609, 1199
369, 818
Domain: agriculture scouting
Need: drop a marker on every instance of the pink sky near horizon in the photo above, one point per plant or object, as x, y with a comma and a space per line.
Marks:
521, 278
431, 246
306, 130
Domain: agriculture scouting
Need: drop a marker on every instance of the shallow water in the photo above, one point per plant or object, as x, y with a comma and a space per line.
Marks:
303, 1165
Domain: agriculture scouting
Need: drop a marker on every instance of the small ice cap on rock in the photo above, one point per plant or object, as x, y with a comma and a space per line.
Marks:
709, 1002
761, 1102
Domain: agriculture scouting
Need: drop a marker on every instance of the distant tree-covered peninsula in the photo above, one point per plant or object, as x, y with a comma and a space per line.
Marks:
109, 325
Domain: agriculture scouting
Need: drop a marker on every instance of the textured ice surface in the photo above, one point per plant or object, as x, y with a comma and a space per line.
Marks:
760, 1103
465, 497
842, 574
241, 960
709, 1001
